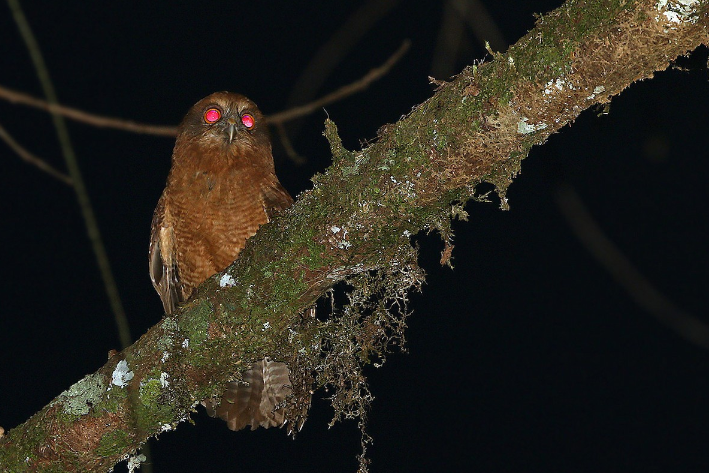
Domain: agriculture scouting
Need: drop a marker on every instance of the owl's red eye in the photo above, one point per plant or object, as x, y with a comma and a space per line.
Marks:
212, 115
247, 120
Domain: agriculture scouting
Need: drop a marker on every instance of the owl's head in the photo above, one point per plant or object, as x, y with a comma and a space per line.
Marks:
225, 122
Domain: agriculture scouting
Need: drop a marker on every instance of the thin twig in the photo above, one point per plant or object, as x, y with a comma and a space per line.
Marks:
450, 38
99, 121
82, 194
287, 145
39, 163
481, 23
625, 274
361, 84
74, 172
330, 54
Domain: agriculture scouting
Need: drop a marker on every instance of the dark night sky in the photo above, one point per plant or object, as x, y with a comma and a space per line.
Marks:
526, 357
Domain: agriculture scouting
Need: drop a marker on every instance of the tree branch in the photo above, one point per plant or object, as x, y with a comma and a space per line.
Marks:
342, 92
278, 118
355, 223
92, 119
37, 162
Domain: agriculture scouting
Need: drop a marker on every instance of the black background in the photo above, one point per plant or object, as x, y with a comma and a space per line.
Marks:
526, 357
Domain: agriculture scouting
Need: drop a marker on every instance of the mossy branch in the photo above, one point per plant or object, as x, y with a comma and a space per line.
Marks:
355, 225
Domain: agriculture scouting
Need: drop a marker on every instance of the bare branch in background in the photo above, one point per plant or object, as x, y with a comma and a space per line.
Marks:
75, 114
481, 23
331, 53
288, 146
625, 274
164, 130
452, 38
39, 163
342, 92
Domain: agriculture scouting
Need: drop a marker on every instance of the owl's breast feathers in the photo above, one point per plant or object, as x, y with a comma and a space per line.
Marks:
201, 224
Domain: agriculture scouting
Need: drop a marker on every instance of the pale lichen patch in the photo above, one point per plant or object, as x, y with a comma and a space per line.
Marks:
599, 89
81, 396
122, 374
227, 280
134, 462
341, 241
678, 11
555, 84
525, 128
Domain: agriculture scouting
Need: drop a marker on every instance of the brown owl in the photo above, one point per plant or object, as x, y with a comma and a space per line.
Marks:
222, 186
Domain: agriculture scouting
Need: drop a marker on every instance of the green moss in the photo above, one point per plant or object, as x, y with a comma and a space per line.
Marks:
338, 151
53, 469
318, 257
195, 322
205, 391
113, 443
199, 360
288, 288
154, 410
589, 16
14, 459
114, 399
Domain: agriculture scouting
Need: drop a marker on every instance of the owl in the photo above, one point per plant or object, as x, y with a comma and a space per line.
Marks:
221, 187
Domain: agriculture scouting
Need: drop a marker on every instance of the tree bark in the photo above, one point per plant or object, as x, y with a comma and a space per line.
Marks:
355, 225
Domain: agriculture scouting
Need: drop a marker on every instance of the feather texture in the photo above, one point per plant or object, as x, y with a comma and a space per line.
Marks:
258, 401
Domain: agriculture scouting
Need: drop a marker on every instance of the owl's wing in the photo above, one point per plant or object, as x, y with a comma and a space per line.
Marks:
275, 197
256, 401
163, 260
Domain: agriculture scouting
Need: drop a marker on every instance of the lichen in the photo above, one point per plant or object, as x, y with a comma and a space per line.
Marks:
121, 374
82, 396
114, 400
167, 340
364, 331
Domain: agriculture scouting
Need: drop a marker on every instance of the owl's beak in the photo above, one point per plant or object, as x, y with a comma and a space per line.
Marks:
231, 128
